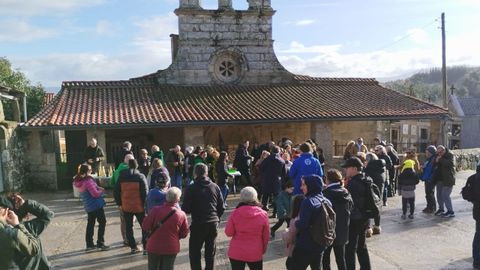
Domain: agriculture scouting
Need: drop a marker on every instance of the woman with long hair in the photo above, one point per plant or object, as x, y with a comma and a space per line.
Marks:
222, 174
92, 197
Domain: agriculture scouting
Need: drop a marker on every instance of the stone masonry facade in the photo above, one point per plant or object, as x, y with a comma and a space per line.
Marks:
224, 46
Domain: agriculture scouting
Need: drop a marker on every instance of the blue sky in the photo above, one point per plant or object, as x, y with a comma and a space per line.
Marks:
58, 40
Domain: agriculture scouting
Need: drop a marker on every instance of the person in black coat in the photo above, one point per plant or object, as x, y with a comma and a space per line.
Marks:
126, 150
391, 189
375, 169
203, 200
94, 155
476, 216
342, 204
242, 162
381, 152
273, 171
357, 186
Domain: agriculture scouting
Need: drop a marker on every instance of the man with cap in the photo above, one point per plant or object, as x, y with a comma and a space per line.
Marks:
15, 240
357, 186
427, 173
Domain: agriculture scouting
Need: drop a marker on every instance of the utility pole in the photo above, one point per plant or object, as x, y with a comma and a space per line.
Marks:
443, 123
444, 65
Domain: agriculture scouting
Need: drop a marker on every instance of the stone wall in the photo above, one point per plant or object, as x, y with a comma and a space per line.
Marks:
466, 159
42, 163
14, 167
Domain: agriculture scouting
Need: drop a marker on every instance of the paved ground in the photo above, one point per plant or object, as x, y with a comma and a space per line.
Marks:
427, 242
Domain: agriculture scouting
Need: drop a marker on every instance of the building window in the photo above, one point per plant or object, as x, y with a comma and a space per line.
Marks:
424, 134
227, 68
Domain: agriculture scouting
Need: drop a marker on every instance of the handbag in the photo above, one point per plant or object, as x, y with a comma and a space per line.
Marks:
159, 224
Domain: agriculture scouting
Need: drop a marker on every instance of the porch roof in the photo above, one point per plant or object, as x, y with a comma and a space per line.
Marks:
144, 102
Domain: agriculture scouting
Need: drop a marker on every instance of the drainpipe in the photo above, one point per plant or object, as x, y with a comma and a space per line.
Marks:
25, 107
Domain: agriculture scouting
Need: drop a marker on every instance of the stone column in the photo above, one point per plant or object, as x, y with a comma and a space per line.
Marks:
322, 133
193, 136
189, 3
225, 5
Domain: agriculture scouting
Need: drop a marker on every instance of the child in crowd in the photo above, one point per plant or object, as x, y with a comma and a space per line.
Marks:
291, 232
92, 197
157, 195
407, 181
282, 202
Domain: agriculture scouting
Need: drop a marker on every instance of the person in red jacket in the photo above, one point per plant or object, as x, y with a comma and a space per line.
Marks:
249, 228
163, 244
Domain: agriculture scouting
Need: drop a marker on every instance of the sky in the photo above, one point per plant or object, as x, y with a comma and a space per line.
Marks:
64, 40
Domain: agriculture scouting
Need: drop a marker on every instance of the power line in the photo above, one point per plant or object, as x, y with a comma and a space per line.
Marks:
406, 36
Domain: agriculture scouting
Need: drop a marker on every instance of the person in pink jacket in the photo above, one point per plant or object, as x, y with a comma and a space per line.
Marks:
250, 231
92, 197
163, 245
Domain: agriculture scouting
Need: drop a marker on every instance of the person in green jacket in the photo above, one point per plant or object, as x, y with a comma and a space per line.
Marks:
43, 217
15, 240
122, 166
115, 175
283, 203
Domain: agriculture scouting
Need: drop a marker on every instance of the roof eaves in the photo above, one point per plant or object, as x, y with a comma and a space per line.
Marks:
239, 122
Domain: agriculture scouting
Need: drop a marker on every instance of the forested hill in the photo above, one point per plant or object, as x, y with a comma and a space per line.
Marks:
427, 85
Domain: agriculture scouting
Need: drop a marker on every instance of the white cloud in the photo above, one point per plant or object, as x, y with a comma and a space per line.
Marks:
304, 22
22, 31
154, 34
36, 7
296, 47
330, 61
148, 52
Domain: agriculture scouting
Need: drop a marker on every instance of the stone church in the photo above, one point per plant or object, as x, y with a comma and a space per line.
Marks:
225, 84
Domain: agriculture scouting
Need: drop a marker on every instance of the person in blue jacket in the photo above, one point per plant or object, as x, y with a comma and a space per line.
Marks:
306, 164
428, 168
307, 252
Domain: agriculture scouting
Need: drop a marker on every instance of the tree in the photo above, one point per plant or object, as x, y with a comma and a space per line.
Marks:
16, 80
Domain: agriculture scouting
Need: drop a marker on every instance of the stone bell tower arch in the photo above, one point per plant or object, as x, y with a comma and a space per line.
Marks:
224, 46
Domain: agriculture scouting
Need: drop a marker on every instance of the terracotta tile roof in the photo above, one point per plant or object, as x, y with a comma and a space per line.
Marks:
48, 98
470, 105
142, 102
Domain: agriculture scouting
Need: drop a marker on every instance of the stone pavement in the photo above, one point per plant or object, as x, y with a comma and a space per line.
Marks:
427, 242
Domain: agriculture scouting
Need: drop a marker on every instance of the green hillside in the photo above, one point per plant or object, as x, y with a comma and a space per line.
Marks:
427, 85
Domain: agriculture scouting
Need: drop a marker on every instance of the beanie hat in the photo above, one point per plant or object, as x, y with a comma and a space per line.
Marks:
432, 149
5, 202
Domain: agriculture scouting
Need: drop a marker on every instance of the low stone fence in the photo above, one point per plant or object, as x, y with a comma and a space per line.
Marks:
466, 159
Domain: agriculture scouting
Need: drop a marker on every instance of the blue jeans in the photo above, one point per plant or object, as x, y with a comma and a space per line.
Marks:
225, 190
177, 180
476, 245
443, 197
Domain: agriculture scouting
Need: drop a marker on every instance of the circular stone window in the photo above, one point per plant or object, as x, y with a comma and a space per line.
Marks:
226, 67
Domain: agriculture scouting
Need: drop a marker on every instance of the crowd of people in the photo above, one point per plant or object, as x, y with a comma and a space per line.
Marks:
281, 180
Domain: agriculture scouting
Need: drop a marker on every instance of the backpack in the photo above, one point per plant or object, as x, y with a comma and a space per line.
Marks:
467, 191
373, 202
322, 228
